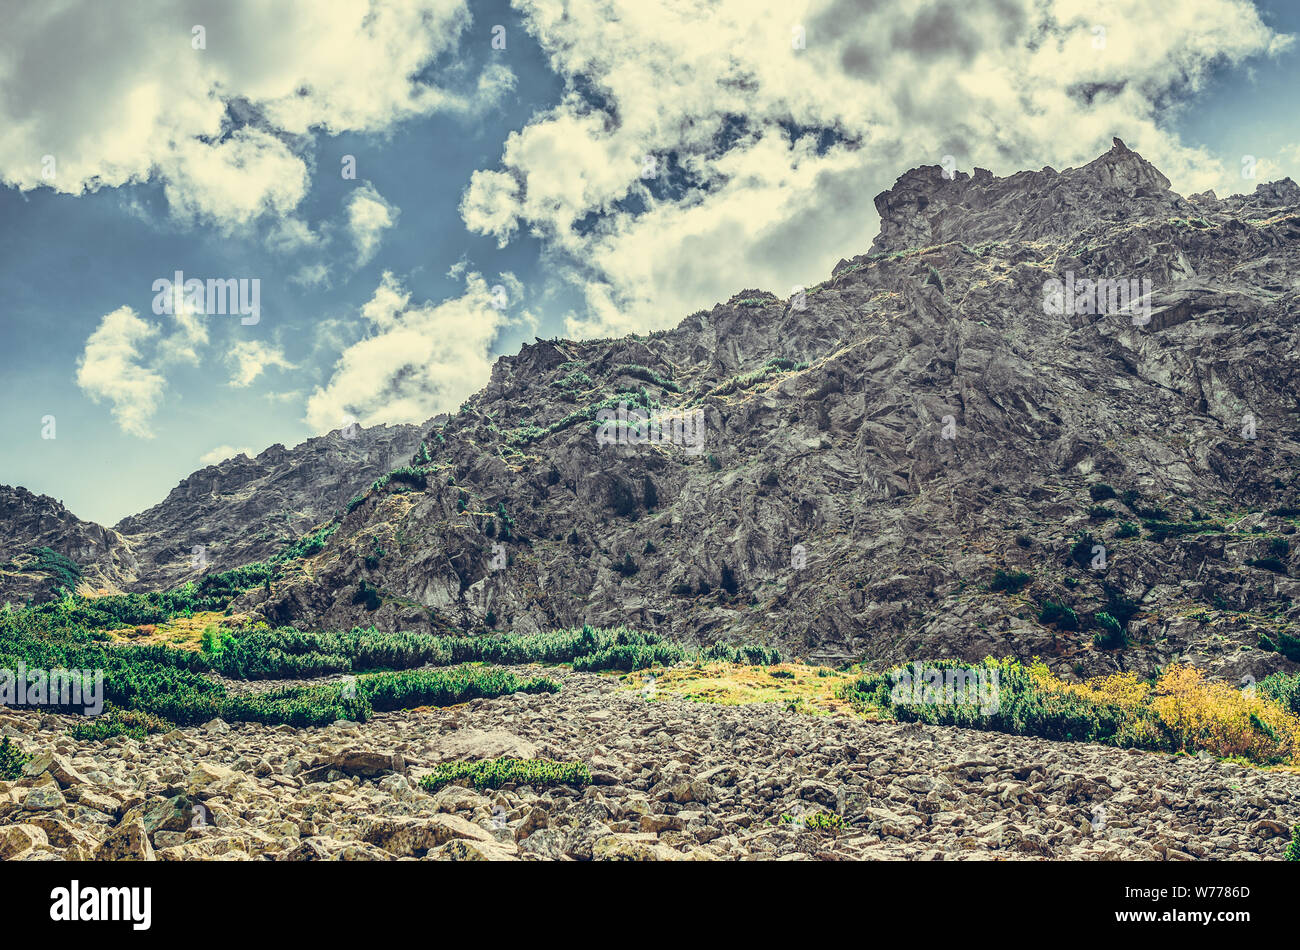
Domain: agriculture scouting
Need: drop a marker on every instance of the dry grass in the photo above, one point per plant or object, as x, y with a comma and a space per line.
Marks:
180, 633
801, 688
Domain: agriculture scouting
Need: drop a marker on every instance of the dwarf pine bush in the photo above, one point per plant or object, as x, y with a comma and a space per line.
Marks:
12, 760
1009, 581
494, 773
1179, 711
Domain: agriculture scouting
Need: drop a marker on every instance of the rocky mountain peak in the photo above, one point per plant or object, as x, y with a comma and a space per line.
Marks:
933, 205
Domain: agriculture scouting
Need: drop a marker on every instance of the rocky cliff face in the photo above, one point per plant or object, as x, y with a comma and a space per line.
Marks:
243, 510
238, 511
37, 524
957, 402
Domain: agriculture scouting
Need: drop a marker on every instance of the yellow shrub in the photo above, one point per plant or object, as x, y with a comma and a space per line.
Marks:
1222, 719
1195, 714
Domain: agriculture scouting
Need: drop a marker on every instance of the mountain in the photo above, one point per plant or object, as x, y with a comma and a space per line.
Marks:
235, 512
44, 545
957, 445
245, 509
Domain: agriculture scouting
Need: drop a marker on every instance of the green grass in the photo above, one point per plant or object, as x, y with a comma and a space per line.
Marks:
816, 821
494, 773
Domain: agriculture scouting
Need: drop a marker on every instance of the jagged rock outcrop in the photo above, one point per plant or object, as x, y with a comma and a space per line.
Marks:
876, 449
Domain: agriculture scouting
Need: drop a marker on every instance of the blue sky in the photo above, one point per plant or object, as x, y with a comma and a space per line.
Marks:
520, 168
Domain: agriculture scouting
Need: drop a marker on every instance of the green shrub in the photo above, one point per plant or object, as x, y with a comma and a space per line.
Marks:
1161, 529
1081, 550
12, 760
132, 723
1292, 852
1127, 529
746, 654
1283, 688
1288, 645
66, 572
388, 691
1023, 707
309, 544
1011, 582
630, 657
1111, 636
815, 821
1064, 617
1268, 563
366, 595
489, 774
648, 375
1100, 491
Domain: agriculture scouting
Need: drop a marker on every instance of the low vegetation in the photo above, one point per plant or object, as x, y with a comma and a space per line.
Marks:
815, 821
12, 760
486, 774
796, 686
1178, 711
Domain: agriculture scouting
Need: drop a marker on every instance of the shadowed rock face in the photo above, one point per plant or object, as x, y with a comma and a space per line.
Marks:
240, 510
877, 450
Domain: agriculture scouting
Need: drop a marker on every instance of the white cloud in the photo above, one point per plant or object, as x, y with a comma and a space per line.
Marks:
490, 205
182, 345
291, 234
250, 358
223, 452
311, 276
369, 216
417, 361
1003, 84
110, 369
224, 128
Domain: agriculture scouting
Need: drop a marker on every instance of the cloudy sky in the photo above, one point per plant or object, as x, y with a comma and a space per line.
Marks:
421, 185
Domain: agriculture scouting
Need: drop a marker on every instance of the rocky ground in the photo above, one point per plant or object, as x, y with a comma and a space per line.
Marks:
672, 779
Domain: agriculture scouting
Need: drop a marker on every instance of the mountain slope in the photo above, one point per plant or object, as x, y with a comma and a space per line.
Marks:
222, 516
39, 533
244, 510
878, 450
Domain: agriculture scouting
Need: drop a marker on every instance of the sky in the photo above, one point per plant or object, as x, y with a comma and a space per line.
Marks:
420, 186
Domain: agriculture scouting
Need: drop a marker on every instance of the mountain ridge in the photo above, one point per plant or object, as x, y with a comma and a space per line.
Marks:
883, 446
827, 416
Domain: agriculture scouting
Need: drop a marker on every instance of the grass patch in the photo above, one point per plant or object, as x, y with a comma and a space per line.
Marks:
815, 821
800, 688
488, 774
